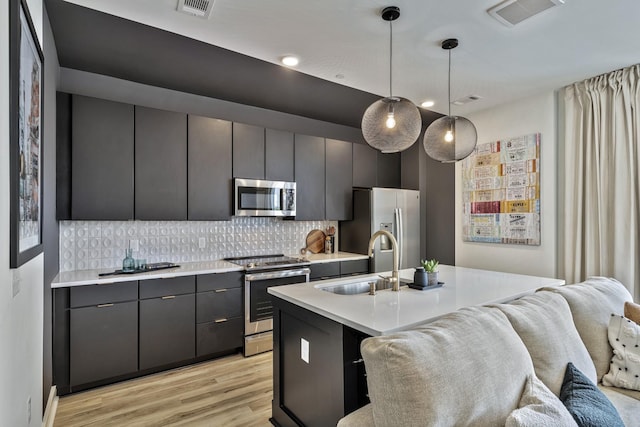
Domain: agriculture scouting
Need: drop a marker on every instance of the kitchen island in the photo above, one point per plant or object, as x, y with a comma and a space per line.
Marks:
318, 373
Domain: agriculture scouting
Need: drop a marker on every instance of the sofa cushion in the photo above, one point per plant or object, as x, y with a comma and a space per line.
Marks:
586, 403
592, 303
448, 372
362, 417
626, 406
544, 323
539, 407
632, 311
631, 393
624, 337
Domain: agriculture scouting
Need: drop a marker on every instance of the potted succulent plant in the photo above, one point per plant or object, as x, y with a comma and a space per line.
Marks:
431, 267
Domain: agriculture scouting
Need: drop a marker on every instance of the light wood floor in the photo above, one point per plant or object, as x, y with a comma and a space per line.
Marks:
232, 391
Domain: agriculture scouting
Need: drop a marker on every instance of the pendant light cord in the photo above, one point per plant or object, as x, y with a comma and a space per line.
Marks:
449, 83
390, 57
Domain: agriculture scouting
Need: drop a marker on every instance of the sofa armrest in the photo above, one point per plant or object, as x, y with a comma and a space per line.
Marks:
363, 417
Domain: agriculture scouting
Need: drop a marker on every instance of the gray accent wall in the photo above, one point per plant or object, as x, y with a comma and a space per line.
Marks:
50, 234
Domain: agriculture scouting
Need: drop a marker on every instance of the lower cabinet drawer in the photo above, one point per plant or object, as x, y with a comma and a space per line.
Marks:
215, 337
359, 266
325, 270
218, 304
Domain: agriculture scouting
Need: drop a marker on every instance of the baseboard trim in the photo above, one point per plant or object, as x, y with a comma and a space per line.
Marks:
52, 407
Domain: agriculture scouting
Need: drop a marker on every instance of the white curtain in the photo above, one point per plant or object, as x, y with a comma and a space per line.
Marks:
602, 185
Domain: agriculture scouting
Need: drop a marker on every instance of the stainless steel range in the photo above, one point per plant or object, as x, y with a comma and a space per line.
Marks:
262, 272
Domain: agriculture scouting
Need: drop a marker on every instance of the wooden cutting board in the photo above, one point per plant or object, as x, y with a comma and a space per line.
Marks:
315, 241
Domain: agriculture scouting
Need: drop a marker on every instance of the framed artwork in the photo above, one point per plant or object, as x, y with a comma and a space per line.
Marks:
26, 123
501, 192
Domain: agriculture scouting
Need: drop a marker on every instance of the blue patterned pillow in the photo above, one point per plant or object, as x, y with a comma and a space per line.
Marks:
588, 405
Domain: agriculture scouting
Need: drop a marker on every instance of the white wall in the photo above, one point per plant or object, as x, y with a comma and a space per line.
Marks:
531, 115
20, 315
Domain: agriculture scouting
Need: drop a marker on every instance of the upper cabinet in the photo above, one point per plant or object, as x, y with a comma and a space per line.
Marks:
209, 176
248, 151
102, 151
389, 170
365, 166
310, 177
160, 165
278, 161
338, 180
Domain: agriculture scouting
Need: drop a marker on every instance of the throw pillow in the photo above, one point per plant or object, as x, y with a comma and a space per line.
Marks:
624, 337
586, 403
632, 311
539, 407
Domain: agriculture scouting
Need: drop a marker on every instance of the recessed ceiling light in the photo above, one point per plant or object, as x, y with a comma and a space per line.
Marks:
427, 104
290, 61
339, 76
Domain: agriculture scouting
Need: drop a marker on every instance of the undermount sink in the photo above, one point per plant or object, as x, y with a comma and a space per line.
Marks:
361, 287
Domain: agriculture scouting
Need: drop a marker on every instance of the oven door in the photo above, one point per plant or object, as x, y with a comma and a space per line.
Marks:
257, 302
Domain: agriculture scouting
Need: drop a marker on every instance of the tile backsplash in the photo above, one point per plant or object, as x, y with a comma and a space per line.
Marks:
101, 244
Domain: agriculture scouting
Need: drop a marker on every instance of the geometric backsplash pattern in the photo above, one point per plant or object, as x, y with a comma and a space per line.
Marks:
101, 244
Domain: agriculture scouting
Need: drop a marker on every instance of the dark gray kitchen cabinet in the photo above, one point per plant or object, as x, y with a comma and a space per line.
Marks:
219, 304
278, 161
219, 313
167, 333
334, 367
338, 180
365, 166
102, 153
331, 270
310, 177
103, 342
209, 180
160, 164
248, 151
389, 170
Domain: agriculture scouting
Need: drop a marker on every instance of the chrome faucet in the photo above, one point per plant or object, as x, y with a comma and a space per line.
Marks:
395, 280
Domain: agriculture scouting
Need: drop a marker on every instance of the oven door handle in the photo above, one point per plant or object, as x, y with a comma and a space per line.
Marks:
277, 274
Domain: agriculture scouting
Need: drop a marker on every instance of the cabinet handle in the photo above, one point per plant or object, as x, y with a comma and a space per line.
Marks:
355, 362
169, 297
104, 305
221, 320
220, 290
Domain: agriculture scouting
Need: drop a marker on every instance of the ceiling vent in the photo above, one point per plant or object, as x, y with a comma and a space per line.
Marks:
199, 8
512, 12
466, 100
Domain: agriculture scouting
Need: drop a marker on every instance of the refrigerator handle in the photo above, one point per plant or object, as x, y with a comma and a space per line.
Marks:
399, 234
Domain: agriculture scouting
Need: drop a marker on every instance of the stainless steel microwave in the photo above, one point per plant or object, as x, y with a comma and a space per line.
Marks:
259, 197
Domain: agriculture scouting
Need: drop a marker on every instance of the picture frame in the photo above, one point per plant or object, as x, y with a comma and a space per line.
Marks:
26, 79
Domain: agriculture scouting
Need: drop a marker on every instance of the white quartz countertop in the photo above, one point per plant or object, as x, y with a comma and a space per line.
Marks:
91, 277
388, 311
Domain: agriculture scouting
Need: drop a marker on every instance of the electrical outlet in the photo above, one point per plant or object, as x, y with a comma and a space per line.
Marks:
304, 350
29, 410
202, 243
133, 244
16, 282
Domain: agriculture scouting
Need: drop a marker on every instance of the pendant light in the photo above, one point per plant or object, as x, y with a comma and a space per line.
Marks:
391, 124
450, 138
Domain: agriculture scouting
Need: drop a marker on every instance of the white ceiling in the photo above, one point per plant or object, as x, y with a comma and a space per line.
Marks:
568, 43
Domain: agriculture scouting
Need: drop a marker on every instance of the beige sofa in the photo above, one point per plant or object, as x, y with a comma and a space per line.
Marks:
471, 367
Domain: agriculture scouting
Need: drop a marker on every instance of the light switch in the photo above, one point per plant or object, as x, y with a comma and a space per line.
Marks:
202, 243
304, 350
133, 244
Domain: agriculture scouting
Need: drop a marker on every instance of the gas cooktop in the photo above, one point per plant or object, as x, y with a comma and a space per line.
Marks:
261, 262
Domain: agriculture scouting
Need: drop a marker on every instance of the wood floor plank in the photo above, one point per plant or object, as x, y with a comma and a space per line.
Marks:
231, 391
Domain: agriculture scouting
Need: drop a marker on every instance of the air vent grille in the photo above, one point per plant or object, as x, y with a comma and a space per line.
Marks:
200, 8
466, 100
512, 12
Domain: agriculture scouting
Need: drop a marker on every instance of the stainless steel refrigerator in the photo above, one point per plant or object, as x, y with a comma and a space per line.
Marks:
394, 210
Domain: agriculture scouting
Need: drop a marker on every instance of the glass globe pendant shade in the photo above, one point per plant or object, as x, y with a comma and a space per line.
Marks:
391, 124
450, 138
